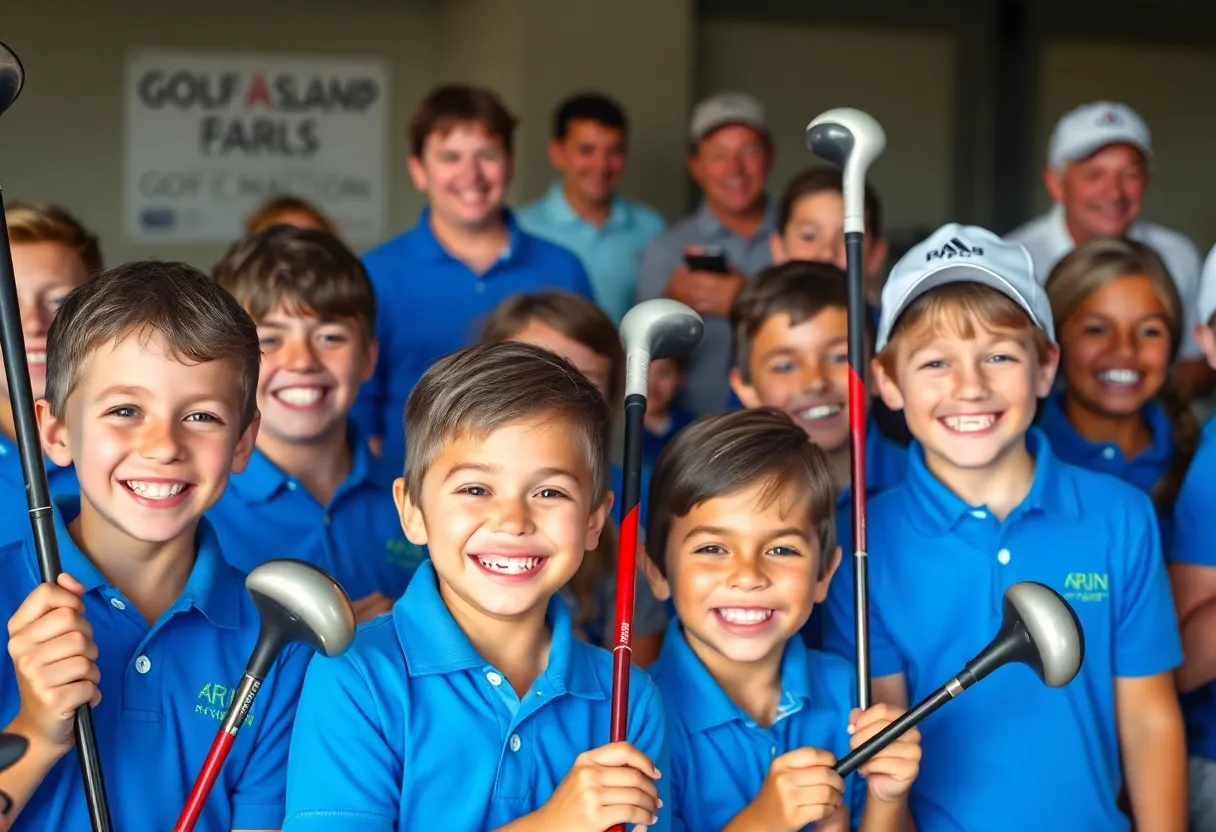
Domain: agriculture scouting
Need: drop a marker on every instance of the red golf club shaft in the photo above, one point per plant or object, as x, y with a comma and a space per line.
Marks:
242, 702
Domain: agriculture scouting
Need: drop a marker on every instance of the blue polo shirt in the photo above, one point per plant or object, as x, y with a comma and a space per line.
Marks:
429, 304
1192, 543
265, 513
720, 756
412, 727
14, 504
1144, 470
611, 253
1012, 753
165, 690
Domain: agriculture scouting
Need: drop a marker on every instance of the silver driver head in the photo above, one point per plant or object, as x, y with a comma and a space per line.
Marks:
852, 140
12, 77
654, 329
1054, 628
303, 604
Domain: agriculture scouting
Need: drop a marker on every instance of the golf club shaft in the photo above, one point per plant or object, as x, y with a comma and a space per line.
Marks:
242, 702
21, 398
857, 436
12, 749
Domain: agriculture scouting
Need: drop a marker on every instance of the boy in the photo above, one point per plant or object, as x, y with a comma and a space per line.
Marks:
151, 376
311, 483
465, 255
665, 417
965, 348
473, 706
743, 541
52, 254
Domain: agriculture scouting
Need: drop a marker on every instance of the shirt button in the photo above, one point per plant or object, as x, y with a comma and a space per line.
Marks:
515, 742
772, 751
117, 604
291, 485
494, 679
143, 664
979, 515
1109, 453
481, 287
327, 519
1003, 556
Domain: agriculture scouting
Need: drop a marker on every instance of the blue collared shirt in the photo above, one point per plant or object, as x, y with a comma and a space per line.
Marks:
1192, 542
265, 513
938, 571
720, 756
165, 690
429, 304
413, 728
611, 253
14, 504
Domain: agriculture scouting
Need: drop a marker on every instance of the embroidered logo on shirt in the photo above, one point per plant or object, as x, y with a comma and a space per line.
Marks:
1087, 587
214, 700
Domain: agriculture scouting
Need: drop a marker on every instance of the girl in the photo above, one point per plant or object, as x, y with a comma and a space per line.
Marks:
580, 331
1119, 321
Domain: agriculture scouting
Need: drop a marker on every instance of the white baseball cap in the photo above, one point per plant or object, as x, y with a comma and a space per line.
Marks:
1089, 128
964, 254
726, 108
1206, 305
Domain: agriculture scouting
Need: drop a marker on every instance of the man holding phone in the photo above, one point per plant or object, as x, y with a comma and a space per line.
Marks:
704, 259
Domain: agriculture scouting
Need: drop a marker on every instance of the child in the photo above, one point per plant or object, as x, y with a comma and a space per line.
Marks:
151, 376
1120, 323
464, 257
52, 254
581, 332
665, 417
288, 210
311, 484
965, 348
1192, 566
741, 532
473, 706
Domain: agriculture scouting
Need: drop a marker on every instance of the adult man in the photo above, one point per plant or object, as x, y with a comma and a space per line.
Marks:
1097, 172
730, 157
583, 212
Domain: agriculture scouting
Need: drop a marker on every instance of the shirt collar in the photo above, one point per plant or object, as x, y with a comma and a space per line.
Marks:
707, 705
427, 247
10, 460
1055, 423
709, 225
262, 479
939, 508
1063, 237
434, 643
213, 588
562, 213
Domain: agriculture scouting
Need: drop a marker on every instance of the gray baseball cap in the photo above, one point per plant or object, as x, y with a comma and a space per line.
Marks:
726, 108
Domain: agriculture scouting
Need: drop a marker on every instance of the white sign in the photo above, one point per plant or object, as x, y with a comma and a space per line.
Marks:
210, 136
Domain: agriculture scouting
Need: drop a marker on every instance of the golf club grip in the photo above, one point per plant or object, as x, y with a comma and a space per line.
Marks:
205, 780
857, 446
859, 756
626, 576
29, 445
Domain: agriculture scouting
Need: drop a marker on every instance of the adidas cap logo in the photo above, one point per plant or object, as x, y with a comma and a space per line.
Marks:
954, 248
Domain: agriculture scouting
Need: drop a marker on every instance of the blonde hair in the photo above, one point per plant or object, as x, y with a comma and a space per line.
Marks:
1098, 263
33, 222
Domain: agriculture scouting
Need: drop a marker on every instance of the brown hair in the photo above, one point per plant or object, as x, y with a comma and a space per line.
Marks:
198, 319
720, 454
270, 212
451, 105
1095, 264
817, 180
30, 222
797, 288
573, 316
311, 272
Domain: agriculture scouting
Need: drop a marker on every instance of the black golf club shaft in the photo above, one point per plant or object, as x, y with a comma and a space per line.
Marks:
21, 398
857, 433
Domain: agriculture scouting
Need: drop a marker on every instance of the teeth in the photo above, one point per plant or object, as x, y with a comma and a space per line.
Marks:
302, 396
471, 194
823, 411
35, 357
744, 616
510, 566
1120, 376
156, 490
970, 424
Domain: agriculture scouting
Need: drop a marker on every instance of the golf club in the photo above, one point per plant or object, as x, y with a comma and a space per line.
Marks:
12, 78
1038, 628
853, 140
297, 602
12, 748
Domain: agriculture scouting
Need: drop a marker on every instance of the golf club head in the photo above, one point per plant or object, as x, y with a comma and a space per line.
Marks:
1038, 629
12, 77
654, 329
12, 749
852, 140
298, 602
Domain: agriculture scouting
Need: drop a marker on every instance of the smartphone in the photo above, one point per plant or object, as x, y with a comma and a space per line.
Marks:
709, 259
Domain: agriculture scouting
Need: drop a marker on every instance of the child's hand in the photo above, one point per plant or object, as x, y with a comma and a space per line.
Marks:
890, 772
609, 785
801, 788
370, 606
53, 653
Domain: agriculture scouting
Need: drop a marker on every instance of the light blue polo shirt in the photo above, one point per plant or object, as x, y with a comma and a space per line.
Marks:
720, 756
411, 727
1193, 542
1012, 753
611, 253
429, 304
14, 504
264, 513
165, 690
